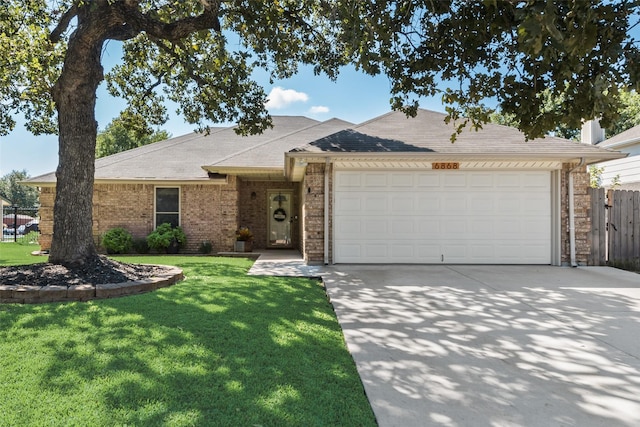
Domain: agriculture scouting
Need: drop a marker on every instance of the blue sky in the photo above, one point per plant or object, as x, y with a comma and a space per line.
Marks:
354, 97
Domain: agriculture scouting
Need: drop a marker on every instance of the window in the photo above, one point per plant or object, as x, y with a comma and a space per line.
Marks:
168, 206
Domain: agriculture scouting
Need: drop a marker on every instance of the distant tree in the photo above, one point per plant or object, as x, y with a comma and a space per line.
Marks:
629, 113
18, 194
595, 176
628, 116
117, 137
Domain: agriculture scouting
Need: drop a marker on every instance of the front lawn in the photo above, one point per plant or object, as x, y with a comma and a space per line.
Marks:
12, 253
219, 348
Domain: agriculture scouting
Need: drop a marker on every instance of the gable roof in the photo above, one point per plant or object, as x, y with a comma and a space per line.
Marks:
206, 158
269, 156
628, 137
428, 133
427, 138
181, 158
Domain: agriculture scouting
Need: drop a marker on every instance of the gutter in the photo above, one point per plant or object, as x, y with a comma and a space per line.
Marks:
572, 221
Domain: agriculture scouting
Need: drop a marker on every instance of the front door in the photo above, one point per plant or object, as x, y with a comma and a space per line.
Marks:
279, 233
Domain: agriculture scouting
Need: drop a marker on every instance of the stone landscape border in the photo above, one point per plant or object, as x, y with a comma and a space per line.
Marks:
28, 294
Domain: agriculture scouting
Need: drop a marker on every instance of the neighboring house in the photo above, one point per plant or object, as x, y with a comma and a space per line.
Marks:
397, 191
626, 171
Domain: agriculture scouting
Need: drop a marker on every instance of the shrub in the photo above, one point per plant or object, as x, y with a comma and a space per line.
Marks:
117, 241
205, 247
165, 237
141, 246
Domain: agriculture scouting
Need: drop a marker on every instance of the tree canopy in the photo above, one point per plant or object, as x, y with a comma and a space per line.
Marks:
201, 55
17, 194
117, 136
628, 116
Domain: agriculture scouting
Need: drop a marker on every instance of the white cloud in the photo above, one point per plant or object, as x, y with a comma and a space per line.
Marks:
280, 97
318, 109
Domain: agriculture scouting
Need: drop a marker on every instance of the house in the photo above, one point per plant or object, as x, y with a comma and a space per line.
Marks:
398, 191
626, 170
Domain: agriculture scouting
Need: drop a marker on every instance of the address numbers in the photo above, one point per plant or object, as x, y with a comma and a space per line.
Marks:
446, 165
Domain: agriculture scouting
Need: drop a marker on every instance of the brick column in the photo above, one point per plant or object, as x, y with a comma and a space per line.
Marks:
313, 213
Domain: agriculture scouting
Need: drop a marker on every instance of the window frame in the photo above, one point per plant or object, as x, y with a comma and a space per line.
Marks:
155, 204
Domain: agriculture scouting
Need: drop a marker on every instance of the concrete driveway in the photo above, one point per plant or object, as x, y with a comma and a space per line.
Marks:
493, 345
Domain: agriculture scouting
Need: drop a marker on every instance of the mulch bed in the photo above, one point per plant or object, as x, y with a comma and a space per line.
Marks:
99, 271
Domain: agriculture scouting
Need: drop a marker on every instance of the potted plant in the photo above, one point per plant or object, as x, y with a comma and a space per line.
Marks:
166, 238
244, 240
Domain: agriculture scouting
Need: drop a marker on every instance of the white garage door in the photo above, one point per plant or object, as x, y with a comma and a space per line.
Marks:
451, 217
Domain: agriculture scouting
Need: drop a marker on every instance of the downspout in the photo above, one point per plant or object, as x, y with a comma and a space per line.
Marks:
326, 210
572, 221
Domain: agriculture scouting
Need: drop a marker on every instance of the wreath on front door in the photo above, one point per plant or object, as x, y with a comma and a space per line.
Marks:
279, 215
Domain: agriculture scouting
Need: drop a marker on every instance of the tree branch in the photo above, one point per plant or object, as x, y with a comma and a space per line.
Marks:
172, 31
63, 24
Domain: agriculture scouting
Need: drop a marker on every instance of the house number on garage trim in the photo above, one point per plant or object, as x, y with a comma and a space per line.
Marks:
446, 165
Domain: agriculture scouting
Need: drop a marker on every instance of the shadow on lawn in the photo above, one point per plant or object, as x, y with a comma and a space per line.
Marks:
219, 348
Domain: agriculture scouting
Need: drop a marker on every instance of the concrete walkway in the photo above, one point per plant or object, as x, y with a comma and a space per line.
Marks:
491, 345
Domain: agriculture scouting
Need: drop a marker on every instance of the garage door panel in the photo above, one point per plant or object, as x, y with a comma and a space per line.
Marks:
454, 203
427, 180
375, 203
428, 203
348, 203
481, 181
435, 216
404, 229
402, 251
429, 228
346, 181
375, 180
402, 181
535, 180
455, 181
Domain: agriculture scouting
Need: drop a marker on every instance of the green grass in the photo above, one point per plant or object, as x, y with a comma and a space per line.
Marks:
12, 253
220, 348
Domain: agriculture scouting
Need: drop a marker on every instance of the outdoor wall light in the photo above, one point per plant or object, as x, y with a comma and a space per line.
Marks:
253, 195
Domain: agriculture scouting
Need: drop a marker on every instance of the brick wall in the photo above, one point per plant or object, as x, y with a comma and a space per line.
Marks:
313, 213
582, 203
129, 206
253, 210
208, 212
47, 198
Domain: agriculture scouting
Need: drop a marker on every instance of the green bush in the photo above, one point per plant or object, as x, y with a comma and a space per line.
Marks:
166, 238
117, 241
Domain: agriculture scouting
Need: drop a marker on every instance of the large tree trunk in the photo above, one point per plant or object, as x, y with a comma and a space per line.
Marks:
75, 98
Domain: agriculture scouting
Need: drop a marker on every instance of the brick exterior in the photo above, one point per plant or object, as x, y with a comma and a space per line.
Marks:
47, 198
213, 212
208, 212
313, 213
582, 220
253, 210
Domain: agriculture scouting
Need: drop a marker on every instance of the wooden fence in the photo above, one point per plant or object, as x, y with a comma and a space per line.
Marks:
615, 228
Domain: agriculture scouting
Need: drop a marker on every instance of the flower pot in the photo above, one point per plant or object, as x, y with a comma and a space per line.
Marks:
243, 246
